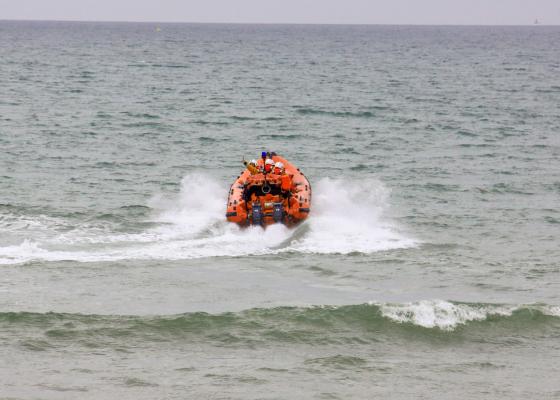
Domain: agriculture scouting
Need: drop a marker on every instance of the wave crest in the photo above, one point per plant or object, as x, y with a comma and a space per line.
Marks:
366, 323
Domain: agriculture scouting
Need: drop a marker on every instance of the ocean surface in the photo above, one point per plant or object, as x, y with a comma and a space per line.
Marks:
429, 267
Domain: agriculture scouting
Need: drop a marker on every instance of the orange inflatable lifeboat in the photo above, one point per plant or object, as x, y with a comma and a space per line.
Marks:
260, 197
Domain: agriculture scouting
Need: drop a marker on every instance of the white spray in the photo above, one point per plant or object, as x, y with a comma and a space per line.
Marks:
345, 217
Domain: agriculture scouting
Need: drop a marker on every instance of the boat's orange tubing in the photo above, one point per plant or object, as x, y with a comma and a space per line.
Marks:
295, 202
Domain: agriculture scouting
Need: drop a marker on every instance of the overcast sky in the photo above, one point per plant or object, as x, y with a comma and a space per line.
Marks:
492, 12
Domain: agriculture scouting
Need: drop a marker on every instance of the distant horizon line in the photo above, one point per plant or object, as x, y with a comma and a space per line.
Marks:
264, 23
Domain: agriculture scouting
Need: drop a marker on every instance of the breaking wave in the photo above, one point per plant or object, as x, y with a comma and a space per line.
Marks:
318, 325
447, 315
346, 217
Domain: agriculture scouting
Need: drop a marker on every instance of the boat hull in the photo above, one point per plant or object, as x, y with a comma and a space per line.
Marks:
264, 199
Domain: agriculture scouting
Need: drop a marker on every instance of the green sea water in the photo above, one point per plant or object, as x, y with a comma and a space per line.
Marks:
429, 266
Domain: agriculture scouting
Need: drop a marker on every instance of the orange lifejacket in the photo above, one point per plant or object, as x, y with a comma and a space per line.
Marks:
286, 183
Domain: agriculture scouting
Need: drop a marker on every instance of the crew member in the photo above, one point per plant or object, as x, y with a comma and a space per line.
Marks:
252, 166
279, 168
268, 166
285, 180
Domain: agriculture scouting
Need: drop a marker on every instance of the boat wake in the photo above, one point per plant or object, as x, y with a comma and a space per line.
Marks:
347, 217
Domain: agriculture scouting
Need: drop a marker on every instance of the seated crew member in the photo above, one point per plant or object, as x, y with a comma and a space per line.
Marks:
285, 182
252, 166
278, 168
268, 166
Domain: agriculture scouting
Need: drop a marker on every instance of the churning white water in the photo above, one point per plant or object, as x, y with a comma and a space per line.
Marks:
346, 217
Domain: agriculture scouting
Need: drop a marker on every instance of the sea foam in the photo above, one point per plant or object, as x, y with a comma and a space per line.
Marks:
448, 315
347, 216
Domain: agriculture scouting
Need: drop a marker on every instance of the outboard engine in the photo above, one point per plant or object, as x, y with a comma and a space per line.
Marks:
257, 214
277, 212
